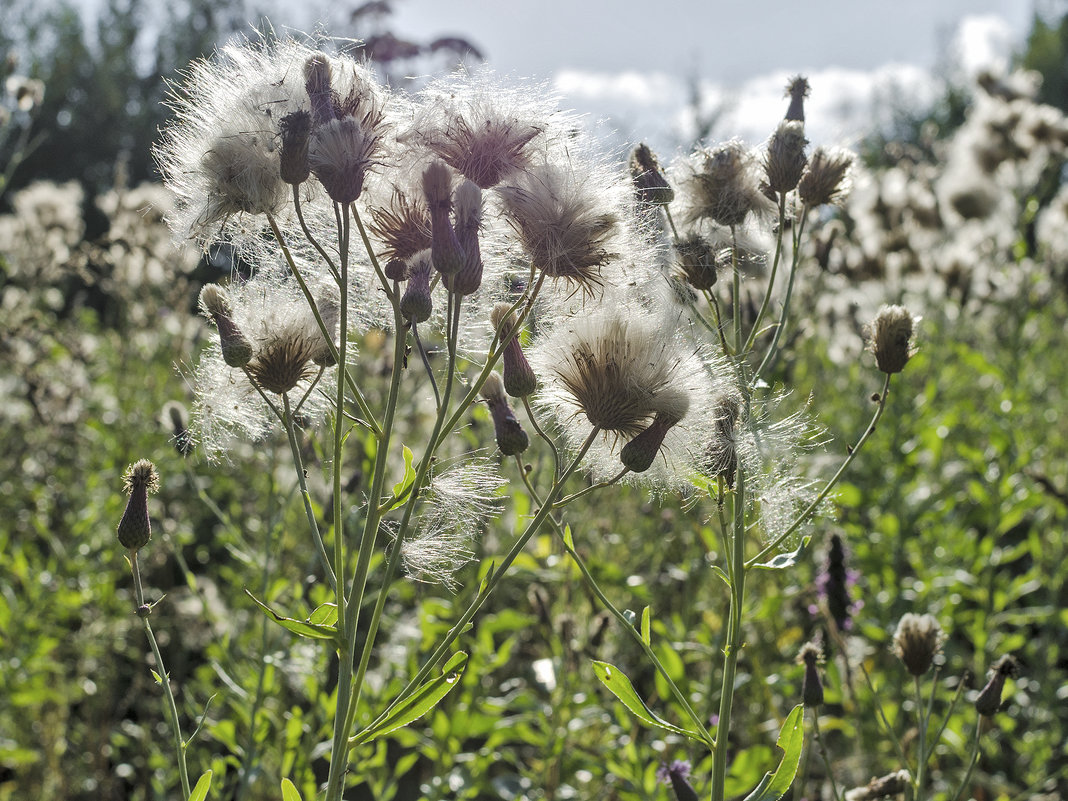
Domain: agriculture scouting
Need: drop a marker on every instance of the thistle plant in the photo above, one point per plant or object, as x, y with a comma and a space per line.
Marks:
511, 268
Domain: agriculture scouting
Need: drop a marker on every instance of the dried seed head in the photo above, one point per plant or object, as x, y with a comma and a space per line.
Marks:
509, 433
317, 80
786, 159
724, 185
296, 132
988, 702
917, 641
404, 227
283, 361
416, 304
889, 786
826, 178
697, 260
723, 446
650, 184
340, 153
135, 528
811, 656
797, 90
890, 338
215, 303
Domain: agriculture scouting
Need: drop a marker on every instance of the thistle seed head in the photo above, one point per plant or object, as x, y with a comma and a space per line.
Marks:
786, 159
890, 338
917, 641
826, 178
650, 183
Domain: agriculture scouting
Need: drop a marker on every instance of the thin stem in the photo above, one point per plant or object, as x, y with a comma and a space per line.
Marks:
164, 679
426, 364
308, 235
794, 261
921, 740
882, 716
736, 294
972, 762
801, 518
548, 440
771, 278
287, 421
823, 753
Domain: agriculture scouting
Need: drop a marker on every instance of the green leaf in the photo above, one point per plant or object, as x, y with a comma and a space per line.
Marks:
289, 791
791, 737
404, 486
418, 703
786, 559
569, 540
200, 792
324, 615
302, 628
646, 636
619, 685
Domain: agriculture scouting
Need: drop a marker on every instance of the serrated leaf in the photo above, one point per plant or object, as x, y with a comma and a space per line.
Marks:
289, 791
418, 703
620, 686
403, 487
791, 738
200, 792
646, 634
784, 560
302, 628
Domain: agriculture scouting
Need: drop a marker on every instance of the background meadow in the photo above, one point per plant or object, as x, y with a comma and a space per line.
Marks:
958, 509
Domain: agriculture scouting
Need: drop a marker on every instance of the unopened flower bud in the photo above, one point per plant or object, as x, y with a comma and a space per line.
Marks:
396, 270
215, 303
890, 338
811, 655
509, 433
317, 78
786, 157
638, 454
797, 91
825, 178
988, 701
468, 218
416, 304
917, 641
649, 182
296, 131
519, 378
697, 260
135, 528
448, 255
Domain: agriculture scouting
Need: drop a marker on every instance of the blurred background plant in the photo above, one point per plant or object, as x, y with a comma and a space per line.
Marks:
965, 518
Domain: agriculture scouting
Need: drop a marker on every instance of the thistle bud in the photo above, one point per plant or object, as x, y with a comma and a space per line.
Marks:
511, 438
638, 454
890, 338
649, 182
468, 219
811, 656
797, 91
677, 775
396, 270
917, 641
786, 157
135, 528
519, 378
697, 260
447, 254
416, 304
215, 303
825, 178
296, 131
317, 77
177, 420
889, 786
988, 701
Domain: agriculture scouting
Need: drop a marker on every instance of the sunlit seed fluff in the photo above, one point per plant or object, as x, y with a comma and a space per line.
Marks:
446, 252
797, 90
724, 185
468, 217
722, 452
890, 786
135, 527
416, 304
295, 128
519, 378
176, 419
215, 304
507, 430
826, 178
890, 338
329, 307
786, 159
650, 184
340, 154
917, 641
565, 229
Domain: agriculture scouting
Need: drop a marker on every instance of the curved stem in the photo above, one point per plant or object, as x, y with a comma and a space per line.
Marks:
308, 235
801, 518
772, 348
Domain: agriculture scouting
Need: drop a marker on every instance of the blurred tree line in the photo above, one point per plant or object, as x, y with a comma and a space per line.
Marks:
106, 73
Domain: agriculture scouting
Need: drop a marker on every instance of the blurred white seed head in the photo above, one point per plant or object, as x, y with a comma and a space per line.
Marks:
722, 184
826, 178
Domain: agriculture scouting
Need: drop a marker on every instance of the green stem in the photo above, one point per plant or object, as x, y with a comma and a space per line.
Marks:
771, 278
972, 762
823, 753
794, 261
801, 518
736, 298
164, 679
921, 739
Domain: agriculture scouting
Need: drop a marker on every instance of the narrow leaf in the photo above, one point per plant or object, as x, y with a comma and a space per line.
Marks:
569, 540
200, 792
786, 559
791, 738
620, 686
418, 703
289, 791
302, 628
646, 636
403, 487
